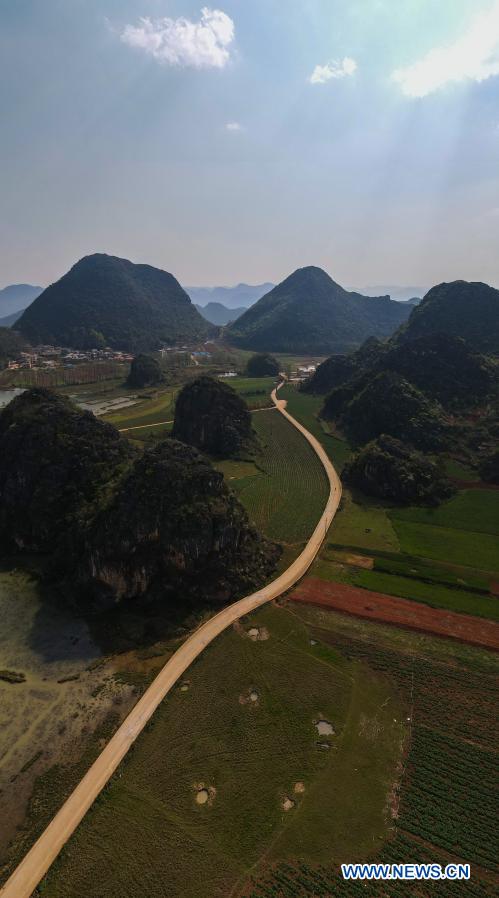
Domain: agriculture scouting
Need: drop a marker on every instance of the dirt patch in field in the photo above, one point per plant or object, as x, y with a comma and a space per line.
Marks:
362, 561
401, 612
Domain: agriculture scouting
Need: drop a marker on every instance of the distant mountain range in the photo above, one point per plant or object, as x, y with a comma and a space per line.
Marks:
242, 295
16, 297
107, 301
309, 312
11, 319
217, 313
394, 291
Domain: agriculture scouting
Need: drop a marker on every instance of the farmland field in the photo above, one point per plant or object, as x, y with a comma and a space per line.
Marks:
445, 808
285, 489
305, 409
147, 835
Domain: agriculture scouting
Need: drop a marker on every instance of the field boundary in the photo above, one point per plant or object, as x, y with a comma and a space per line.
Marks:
41, 855
405, 613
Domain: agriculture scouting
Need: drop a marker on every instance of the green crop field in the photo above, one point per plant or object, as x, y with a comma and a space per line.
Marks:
457, 546
445, 808
470, 510
305, 409
254, 390
285, 489
148, 836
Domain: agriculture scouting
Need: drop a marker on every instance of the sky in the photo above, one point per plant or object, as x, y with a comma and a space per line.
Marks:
245, 139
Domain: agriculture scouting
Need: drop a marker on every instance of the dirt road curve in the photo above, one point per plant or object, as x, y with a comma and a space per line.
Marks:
38, 860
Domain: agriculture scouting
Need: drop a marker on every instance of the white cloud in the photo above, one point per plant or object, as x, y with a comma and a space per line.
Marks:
472, 57
202, 44
336, 69
234, 126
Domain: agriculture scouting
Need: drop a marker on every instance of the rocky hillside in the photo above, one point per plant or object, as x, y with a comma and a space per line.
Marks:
389, 469
310, 313
388, 404
58, 463
107, 301
211, 416
461, 309
443, 367
174, 529
114, 523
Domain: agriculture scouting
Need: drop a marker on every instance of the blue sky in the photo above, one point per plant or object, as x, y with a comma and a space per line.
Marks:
244, 139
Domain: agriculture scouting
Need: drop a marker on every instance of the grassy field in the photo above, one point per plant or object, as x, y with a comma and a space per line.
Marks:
446, 557
444, 809
254, 390
285, 489
148, 836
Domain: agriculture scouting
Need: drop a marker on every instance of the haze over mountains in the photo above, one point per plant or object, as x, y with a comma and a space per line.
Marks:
107, 301
16, 297
309, 312
231, 297
395, 291
219, 314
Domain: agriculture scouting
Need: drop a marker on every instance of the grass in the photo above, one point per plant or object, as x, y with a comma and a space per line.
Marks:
365, 524
470, 510
286, 489
254, 390
475, 550
435, 594
147, 836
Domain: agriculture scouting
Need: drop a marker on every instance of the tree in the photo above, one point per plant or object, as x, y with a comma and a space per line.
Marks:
262, 365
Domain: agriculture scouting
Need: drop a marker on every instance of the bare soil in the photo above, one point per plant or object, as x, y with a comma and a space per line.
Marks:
401, 612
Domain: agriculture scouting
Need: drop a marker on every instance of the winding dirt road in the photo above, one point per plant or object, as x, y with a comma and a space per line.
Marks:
36, 863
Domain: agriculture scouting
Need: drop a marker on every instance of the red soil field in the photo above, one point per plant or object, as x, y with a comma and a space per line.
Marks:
401, 612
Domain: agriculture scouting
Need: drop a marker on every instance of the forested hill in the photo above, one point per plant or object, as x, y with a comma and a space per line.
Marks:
469, 310
107, 301
309, 312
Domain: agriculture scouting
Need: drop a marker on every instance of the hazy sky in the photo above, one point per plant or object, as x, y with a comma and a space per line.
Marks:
242, 140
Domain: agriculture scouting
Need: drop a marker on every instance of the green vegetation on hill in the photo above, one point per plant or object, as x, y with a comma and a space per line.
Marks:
443, 367
210, 415
308, 312
116, 523
389, 404
388, 469
173, 530
58, 463
461, 309
11, 344
262, 365
107, 301
145, 371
